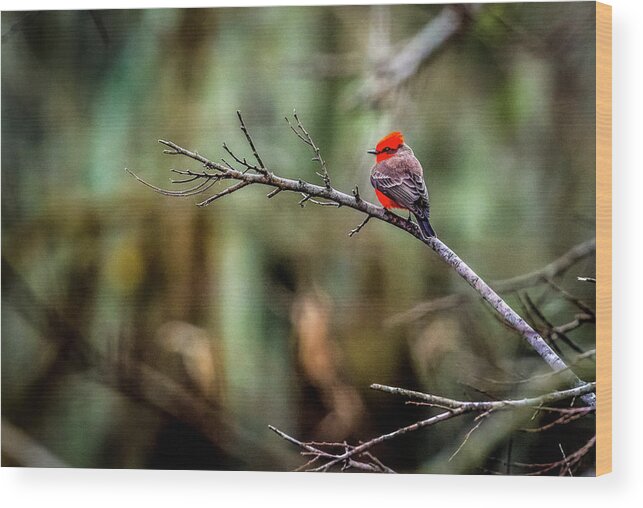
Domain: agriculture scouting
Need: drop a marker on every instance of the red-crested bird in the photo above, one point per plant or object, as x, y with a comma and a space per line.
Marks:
398, 180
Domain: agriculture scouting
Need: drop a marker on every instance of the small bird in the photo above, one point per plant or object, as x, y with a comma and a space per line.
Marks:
398, 180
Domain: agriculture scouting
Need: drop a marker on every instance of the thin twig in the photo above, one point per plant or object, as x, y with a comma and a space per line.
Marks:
569, 416
262, 167
359, 228
480, 419
303, 134
325, 203
239, 160
192, 191
229, 190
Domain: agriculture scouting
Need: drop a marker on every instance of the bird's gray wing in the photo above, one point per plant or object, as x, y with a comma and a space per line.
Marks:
405, 188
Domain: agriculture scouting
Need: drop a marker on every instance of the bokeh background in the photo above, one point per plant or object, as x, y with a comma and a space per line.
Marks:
139, 331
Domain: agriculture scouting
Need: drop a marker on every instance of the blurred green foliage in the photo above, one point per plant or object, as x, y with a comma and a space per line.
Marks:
266, 311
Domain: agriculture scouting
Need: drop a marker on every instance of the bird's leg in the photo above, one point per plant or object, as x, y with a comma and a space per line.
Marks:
391, 214
395, 215
412, 223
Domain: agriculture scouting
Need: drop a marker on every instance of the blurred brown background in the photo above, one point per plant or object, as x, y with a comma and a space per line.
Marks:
140, 331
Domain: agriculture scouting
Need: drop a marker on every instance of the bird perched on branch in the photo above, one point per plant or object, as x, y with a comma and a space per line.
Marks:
398, 180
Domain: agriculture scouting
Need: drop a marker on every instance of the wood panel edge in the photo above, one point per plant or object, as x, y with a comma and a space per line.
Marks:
603, 238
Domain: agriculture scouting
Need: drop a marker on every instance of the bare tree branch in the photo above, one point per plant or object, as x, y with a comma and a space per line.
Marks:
264, 176
454, 408
487, 405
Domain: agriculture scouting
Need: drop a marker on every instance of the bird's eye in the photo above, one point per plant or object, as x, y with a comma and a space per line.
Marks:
387, 149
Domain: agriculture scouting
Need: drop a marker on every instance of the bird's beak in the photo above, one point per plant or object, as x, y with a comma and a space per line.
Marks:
374, 152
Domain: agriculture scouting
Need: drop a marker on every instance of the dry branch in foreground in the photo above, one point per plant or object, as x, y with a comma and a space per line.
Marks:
324, 456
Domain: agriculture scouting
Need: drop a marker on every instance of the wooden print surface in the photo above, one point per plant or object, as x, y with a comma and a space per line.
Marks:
235, 297
604, 237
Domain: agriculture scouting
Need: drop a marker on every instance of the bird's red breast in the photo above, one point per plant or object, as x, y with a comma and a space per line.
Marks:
387, 202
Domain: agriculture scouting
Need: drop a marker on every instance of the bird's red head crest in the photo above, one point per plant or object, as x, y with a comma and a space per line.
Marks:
388, 145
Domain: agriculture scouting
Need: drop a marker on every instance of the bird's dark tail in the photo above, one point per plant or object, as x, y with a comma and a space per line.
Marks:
425, 226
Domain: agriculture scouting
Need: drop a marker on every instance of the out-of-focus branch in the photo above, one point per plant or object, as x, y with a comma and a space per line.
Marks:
327, 453
578, 321
132, 379
158, 391
24, 450
554, 269
397, 68
547, 376
252, 174
547, 329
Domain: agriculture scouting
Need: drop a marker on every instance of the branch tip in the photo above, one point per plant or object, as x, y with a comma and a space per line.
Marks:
359, 228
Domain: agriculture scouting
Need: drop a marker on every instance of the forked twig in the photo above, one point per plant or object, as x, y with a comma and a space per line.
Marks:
302, 134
